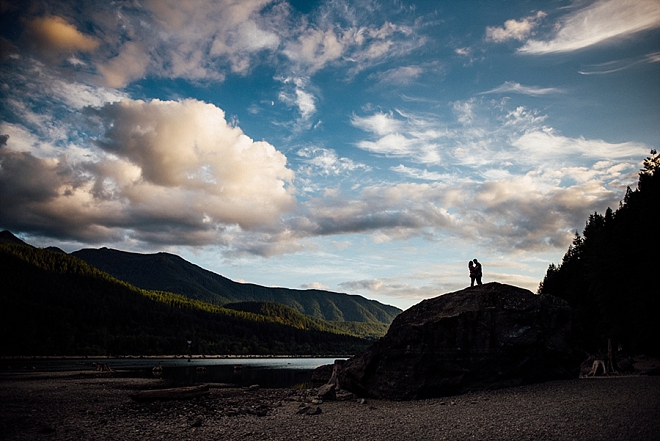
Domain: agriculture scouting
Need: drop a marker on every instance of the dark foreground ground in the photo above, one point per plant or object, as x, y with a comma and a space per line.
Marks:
86, 407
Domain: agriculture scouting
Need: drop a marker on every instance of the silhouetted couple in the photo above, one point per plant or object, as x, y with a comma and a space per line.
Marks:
475, 272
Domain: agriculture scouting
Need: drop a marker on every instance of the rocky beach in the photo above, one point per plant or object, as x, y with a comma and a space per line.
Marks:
90, 406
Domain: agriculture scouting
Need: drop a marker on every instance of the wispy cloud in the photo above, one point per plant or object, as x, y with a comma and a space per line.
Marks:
399, 75
295, 93
513, 87
596, 23
619, 65
412, 136
416, 173
337, 34
319, 161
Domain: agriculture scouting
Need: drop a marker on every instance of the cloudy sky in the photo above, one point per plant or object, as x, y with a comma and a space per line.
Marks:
366, 147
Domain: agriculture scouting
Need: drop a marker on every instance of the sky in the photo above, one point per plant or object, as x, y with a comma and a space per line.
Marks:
364, 147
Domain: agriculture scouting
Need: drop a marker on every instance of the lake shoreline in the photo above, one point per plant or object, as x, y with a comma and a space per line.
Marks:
98, 406
140, 357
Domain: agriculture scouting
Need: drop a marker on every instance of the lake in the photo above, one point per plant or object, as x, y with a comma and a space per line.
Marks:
268, 372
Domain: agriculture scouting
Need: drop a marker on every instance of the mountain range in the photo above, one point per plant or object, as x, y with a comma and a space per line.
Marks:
54, 303
168, 272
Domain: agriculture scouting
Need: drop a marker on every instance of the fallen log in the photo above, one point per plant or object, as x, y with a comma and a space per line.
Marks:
175, 393
223, 385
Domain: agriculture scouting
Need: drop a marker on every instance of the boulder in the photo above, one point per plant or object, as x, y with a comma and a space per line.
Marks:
483, 337
328, 392
322, 374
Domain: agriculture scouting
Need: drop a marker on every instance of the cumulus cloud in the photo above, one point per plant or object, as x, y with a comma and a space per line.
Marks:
167, 172
598, 22
53, 33
527, 212
513, 29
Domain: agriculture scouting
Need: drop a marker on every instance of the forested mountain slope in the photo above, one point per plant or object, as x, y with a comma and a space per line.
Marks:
168, 272
55, 304
609, 273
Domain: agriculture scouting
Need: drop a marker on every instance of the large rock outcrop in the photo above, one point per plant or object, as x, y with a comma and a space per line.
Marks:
485, 337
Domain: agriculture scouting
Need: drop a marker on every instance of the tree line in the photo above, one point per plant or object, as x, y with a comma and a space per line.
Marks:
608, 274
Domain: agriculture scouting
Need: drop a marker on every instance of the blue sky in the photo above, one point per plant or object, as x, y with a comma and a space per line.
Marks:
366, 147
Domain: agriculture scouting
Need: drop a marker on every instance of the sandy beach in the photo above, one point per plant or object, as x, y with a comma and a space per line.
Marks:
83, 406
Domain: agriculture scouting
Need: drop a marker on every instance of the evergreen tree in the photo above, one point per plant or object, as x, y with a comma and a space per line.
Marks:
608, 273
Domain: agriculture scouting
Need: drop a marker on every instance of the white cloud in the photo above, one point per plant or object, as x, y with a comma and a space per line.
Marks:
514, 139
315, 48
510, 86
513, 29
34, 82
326, 162
379, 123
598, 22
195, 33
337, 35
295, 93
315, 285
535, 211
413, 136
619, 65
546, 144
400, 75
416, 173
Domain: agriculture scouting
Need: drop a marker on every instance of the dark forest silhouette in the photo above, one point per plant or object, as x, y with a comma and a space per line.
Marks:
609, 273
52, 303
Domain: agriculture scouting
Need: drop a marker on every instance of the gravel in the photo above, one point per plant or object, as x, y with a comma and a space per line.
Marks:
73, 406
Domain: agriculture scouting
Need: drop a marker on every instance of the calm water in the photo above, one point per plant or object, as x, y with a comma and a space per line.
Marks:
267, 372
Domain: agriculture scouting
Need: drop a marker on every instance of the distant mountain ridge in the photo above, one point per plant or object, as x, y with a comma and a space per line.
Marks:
168, 272
52, 303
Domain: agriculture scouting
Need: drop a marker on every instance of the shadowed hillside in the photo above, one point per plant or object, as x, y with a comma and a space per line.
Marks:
289, 316
55, 304
167, 272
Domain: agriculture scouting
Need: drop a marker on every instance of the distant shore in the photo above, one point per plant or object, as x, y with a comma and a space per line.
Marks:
178, 356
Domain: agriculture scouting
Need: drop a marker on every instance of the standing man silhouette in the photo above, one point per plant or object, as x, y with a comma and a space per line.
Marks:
478, 273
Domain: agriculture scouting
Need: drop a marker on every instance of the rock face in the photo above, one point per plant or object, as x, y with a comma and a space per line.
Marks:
485, 337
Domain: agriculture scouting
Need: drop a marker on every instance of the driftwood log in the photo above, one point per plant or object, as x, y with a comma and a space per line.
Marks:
176, 393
